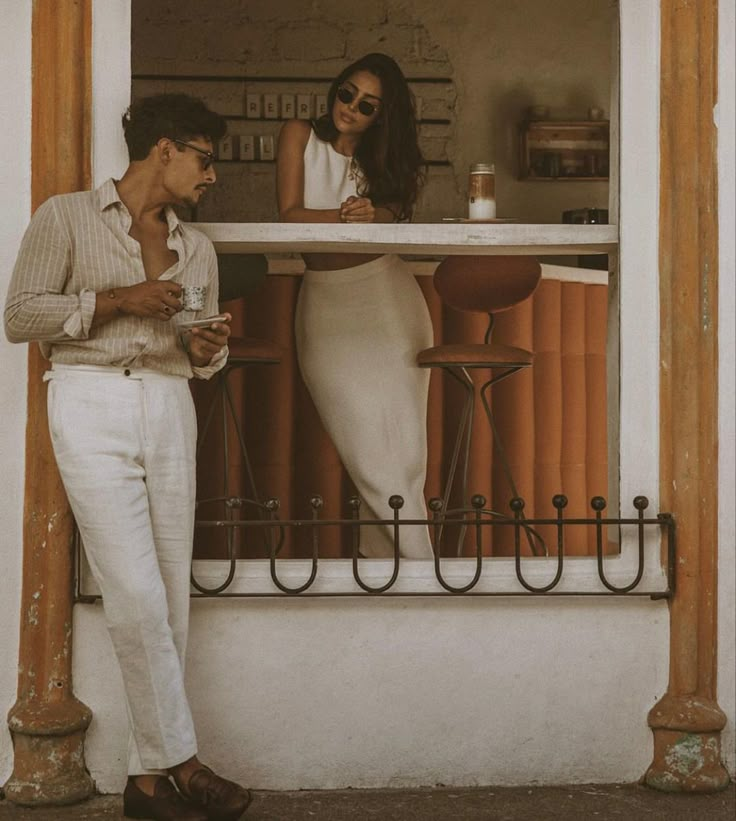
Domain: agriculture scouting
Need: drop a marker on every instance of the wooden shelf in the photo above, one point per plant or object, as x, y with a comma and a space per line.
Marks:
564, 151
246, 118
434, 163
250, 78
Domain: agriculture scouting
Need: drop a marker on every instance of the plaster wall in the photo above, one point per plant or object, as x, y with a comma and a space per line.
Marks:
15, 188
110, 87
501, 57
388, 693
726, 120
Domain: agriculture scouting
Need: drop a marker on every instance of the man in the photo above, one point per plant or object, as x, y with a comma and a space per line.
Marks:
98, 282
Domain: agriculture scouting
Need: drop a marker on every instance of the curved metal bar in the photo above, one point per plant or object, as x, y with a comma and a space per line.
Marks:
396, 503
213, 591
478, 503
241, 501
354, 503
517, 505
316, 503
598, 503
436, 506
231, 503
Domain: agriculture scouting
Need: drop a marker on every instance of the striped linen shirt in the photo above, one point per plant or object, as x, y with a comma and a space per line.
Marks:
78, 245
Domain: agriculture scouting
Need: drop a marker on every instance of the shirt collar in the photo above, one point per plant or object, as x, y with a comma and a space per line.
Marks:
107, 195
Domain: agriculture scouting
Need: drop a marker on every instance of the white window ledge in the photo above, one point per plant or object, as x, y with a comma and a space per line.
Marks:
425, 239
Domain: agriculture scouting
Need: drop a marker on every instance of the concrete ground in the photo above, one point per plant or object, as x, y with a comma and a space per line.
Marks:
628, 802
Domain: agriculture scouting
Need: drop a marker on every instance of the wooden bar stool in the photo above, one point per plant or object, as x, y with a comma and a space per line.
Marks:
487, 284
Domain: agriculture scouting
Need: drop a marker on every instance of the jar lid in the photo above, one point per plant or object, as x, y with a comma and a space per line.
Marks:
482, 168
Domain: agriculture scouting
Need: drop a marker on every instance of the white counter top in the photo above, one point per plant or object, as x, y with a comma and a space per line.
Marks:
420, 239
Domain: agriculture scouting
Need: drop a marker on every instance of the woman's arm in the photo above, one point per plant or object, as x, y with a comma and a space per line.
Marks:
290, 185
290, 176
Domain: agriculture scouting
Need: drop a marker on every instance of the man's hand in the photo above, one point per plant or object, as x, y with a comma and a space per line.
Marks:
357, 209
206, 342
155, 299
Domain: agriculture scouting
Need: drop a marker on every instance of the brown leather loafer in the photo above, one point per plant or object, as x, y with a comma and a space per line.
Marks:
166, 804
221, 800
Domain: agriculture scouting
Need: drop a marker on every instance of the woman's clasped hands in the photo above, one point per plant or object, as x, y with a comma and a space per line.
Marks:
357, 209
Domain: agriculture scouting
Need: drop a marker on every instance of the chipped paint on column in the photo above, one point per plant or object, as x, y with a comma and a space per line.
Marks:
47, 722
687, 762
687, 721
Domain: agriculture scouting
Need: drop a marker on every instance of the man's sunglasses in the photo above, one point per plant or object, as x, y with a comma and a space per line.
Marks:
346, 96
209, 157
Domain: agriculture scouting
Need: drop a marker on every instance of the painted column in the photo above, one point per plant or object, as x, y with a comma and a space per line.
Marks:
47, 722
687, 721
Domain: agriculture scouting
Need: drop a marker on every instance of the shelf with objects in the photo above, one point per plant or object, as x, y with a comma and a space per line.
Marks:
564, 150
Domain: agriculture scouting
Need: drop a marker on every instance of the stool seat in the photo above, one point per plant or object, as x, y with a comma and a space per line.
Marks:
247, 349
475, 356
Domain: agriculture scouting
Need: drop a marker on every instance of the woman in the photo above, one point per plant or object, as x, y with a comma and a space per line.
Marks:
362, 318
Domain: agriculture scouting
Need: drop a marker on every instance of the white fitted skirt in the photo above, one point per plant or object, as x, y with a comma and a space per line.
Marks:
358, 331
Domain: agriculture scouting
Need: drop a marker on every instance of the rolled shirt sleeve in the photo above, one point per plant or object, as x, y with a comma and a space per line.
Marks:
37, 307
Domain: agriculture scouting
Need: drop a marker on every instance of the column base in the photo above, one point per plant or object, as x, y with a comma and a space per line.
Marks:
48, 754
687, 746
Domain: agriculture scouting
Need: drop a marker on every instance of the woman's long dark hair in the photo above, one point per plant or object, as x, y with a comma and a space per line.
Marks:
388, 152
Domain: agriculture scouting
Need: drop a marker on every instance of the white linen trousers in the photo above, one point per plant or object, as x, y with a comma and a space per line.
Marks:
125, 442
358, 332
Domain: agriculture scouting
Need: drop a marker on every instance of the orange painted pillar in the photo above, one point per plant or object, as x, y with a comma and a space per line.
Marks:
47, 722
687, 721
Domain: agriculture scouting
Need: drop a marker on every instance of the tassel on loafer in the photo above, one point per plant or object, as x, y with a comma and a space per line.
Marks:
220, 799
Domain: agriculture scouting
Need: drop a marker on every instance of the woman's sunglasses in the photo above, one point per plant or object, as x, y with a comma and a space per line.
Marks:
346, 96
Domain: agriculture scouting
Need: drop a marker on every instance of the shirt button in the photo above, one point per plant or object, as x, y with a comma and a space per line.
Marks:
127, 372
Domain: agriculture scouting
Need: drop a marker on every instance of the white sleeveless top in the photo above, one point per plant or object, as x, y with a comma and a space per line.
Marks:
329, 177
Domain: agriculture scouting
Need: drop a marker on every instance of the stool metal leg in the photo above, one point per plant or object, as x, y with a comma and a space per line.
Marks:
241, 441
463, 441
498, 442
464, 436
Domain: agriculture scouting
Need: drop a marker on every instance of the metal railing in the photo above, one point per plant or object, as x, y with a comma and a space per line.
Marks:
475, 519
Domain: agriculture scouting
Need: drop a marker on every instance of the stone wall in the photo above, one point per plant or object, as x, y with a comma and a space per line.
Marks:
482, 62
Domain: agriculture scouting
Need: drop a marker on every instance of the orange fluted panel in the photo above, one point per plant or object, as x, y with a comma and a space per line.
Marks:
512, 401
269, 393
574, 411
596, 323
293, 458
547, 374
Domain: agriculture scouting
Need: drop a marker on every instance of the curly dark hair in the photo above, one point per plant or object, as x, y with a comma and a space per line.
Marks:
388, 153
177, 116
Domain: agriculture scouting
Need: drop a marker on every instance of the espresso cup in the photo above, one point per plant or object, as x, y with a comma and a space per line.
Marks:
193, 296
